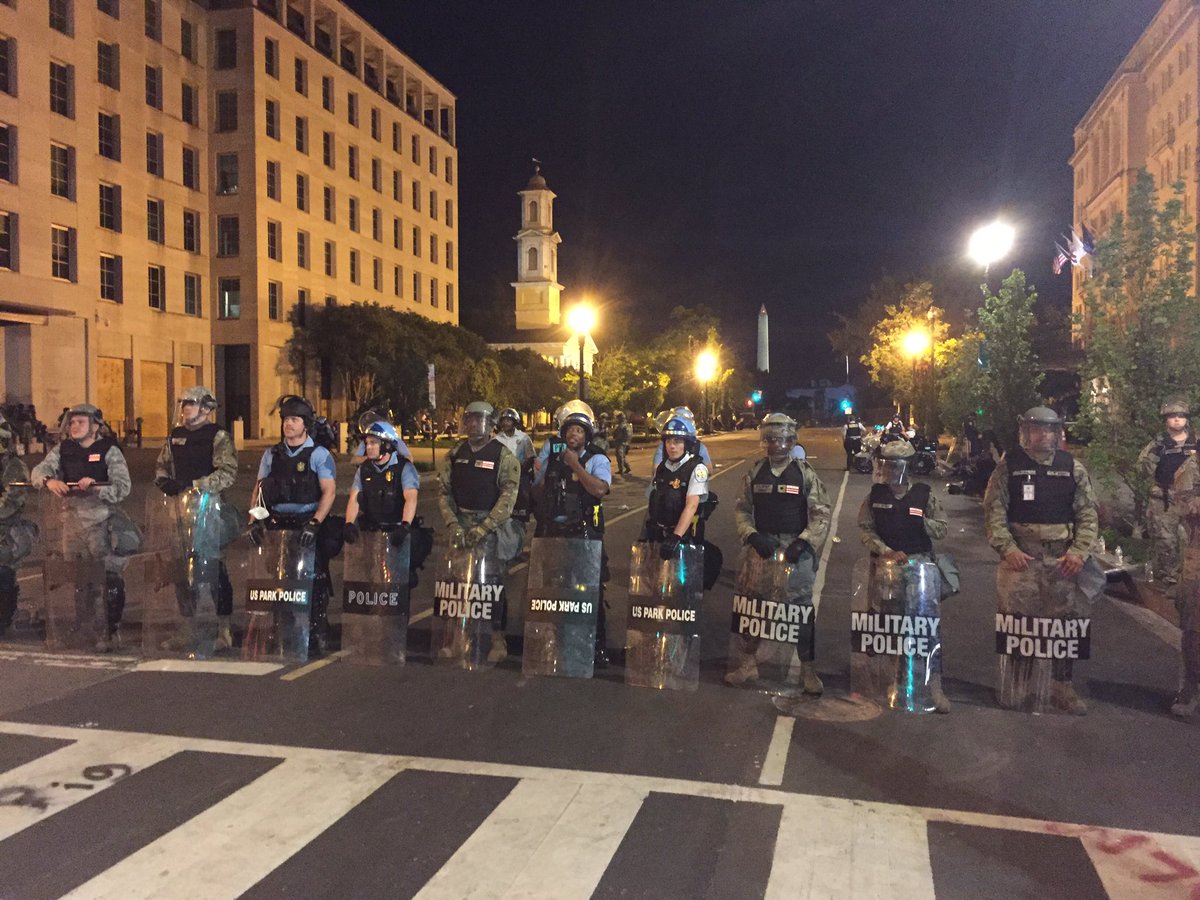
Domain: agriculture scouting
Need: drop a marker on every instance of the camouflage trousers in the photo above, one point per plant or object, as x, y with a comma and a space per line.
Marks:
1166, 540
1187, 604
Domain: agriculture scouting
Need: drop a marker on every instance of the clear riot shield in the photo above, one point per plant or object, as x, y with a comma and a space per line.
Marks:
73, 580
179, 574
375, 595
895, 633
279, 589
563, 600
467, 590
773, 623
662, 635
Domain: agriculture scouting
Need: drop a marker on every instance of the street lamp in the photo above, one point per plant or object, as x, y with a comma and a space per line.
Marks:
582, 319
991, 243
706, 371
914, 344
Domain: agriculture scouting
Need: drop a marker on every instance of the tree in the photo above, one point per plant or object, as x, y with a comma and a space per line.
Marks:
1012, 378
962, 381
626, 378
1140, 330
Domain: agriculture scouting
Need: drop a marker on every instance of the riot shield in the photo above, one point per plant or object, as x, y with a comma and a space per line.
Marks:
467, 590
662, 636
895, 633
563, 599
375, 594
279, 589
73, 581
179, 578
773, 624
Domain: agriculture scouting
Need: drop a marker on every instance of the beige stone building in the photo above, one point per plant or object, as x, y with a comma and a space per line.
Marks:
177, 177
1146, 116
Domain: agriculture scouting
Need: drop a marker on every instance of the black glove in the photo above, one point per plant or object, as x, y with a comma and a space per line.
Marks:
171, 487
308, 534
350, 533
795, 549
669, 548
399, 534
256, 533
763, 545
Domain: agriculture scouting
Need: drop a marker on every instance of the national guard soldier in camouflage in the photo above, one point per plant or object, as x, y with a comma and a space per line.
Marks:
783, 506
1040, 516
1186, 496
17, 534
622, 434
1157, 463
509, 433
480, 479
88, 472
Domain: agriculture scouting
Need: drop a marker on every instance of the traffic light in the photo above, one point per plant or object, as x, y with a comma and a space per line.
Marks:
847, 406
756, 396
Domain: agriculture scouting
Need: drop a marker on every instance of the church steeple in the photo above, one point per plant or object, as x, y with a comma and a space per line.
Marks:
538, 293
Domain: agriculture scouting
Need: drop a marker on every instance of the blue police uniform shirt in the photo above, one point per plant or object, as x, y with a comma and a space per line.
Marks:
596, 465
321, 462
409, 479
401, 447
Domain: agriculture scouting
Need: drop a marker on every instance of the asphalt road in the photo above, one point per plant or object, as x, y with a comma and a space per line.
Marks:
127, 778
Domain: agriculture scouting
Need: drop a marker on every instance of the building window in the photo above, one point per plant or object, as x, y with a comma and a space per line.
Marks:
301, 192
416, 242
352, 108
271, 57
327, 149
533, 212
396, 185
108, 64
191, 168
327, 93
376, 124
377, 273
301, 77
227, 173
60, 15
187, 40
416, 284
109, 7
532, 257
274, 241
110, 278
110, 136
302, 134
433, 160
416, 149
330, 205
377, 224
274, 192
156, 287
449, 170
8, 54
352, 165
110, 206
395, 137
62, 171
433, 205
330, 258
191, 231
433, 292
154, 153
449, 298
156, 226
154, 89
449, 254
191, 294
62, 89
228, 236
226, 48
8, 241
354, 214
154, 20
301, 306
189, 104
354, 273
416, 196
62, 252
377, 175
302, 249
396, 233
397, 281
227, 110
229, 298
433, 248
8, 153
450, 212
274, 300
272, 115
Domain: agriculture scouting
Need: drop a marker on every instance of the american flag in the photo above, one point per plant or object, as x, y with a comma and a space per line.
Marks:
1060, 259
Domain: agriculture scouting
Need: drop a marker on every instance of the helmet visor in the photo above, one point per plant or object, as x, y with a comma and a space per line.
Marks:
890, 471
476, 424
1040, 437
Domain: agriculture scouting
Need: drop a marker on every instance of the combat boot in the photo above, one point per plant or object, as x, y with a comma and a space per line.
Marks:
110, 640
941, 703
499, 651
181, 640
224, 639
809, 680
747, 670
1064, 698
1186, 701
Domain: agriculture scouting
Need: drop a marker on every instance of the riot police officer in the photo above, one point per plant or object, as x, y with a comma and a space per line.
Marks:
679, 412
384, 494
297, 486
852, 435
1158, 462
679, 488
622, 434
200, 454
88, 472
364, 423
1041, 519
573, 477
17, 534
520, 445
480, 480
783, 506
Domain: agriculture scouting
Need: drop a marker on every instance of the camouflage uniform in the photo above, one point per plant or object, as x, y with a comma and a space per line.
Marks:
498, 520
936, 526
1186, 493
17, 535
1162, 520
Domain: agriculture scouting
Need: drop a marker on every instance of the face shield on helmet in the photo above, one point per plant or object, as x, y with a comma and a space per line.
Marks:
682, 429
508, 419
384, 434
1041, 430
195, 405
893, 463
478, 420
778, 435
575, 412
367, 419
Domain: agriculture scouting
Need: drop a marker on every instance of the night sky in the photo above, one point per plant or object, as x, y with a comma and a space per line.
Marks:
736, 153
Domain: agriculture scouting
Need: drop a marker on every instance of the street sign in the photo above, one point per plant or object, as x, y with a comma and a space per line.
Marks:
432, 388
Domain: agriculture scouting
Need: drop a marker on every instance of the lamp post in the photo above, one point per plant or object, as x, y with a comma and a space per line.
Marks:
991, 243
914, 344
706, 371
582, 319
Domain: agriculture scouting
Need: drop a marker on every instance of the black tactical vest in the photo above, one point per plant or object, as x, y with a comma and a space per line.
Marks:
853, 432
192, 452
380, 497
79, 462
669, 494
291, 479
1170, 457
474, 476
896, 523
780, 504
567, 509
1053, 500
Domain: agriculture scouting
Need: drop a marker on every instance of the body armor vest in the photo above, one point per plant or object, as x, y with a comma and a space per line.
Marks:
780, 504
291, 479
853, 432
381, 497
669, 496
896, 523
1170, 457
85, 462
192, 452
567, 509
473, 475
1053, 489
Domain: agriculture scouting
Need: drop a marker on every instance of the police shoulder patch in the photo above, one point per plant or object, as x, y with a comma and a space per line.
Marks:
701, 473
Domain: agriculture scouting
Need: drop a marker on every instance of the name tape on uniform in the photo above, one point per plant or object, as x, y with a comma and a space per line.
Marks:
265, 594
771, 620
459, 600
370, 598
893, 634
1036, 637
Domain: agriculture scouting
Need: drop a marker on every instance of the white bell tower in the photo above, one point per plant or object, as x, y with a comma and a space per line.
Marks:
538, 291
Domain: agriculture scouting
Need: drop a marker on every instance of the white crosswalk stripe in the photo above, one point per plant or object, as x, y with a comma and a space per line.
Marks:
555, 834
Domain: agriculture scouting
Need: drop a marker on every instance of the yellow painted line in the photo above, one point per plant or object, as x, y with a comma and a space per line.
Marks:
313, 666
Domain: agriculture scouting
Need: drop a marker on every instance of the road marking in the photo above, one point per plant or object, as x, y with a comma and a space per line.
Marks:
776, 759
68, 660
234, 844
1154, 623
819, 583
209, 666
314, 666
421, 616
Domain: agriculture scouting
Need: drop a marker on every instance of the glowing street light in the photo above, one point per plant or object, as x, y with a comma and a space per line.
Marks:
707, 364
582, 319
991, 243
915, 343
